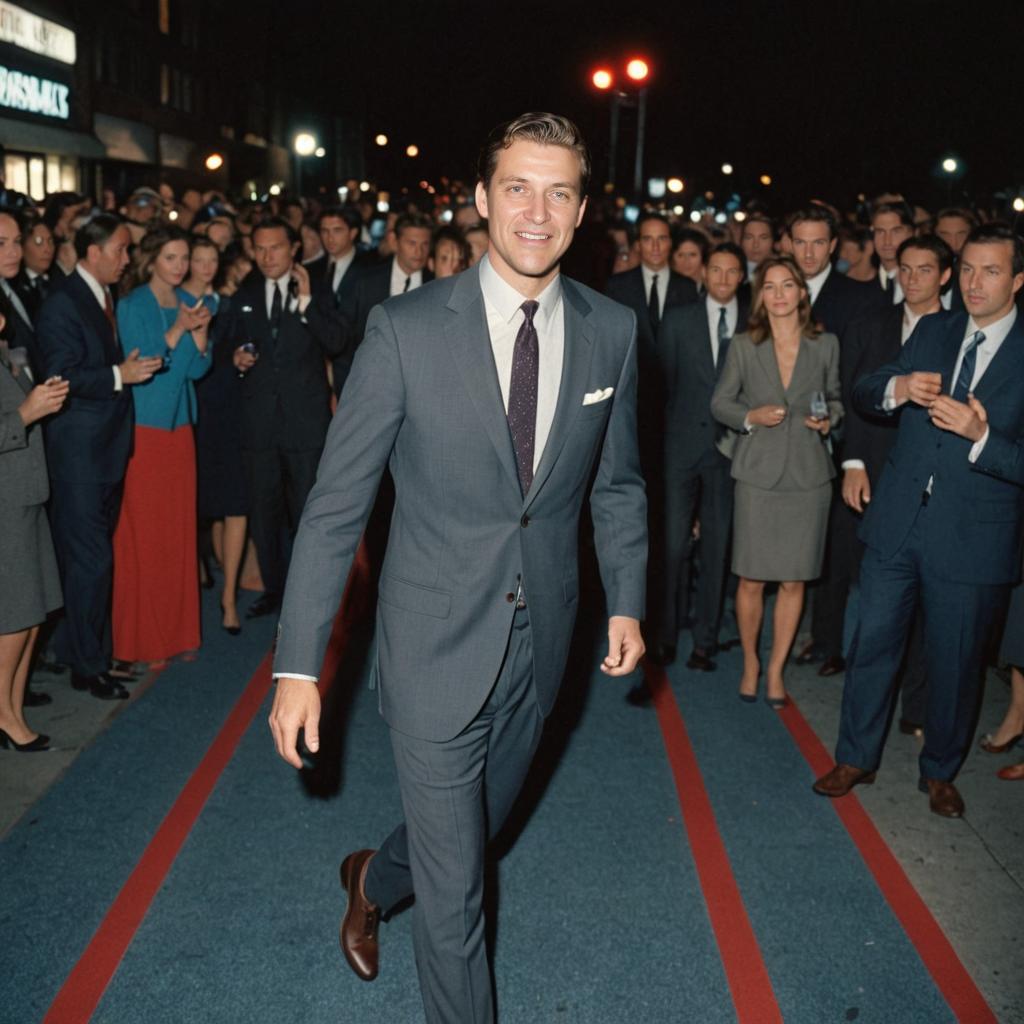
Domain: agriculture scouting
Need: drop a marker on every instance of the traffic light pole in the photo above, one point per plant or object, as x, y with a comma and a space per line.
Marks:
641, 119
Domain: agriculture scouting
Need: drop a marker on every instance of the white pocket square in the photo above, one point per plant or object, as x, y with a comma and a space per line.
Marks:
601, 395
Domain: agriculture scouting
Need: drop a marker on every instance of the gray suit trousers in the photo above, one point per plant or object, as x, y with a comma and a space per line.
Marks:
455, 794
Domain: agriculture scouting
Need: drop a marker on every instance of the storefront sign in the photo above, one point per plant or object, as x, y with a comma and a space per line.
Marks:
19, 91
33, 33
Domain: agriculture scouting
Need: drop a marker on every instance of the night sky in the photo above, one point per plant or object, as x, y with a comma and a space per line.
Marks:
830, 98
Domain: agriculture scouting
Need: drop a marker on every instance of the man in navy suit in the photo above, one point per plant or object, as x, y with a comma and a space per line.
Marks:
88, 444
944, 524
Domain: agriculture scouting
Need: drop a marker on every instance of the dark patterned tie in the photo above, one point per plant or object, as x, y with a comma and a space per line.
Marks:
966, 375
522, 395
275, 312
723, 336
653, 306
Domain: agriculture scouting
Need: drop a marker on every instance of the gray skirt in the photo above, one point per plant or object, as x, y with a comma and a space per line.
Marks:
29, 582
779, 535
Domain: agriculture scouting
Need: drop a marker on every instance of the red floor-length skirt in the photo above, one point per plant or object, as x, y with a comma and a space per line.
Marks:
156, 575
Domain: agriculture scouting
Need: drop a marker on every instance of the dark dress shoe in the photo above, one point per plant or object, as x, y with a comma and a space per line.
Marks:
124, 672
35, 699
101, 686
39, 744
265, 604
639, 696
842, 779
808, 654
50, 667
700, 661
359, 926
832, 666
661, 654
943, 797
909, 728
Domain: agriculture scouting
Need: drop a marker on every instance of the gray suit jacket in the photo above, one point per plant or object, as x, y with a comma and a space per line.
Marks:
750, 378
423, 398
22, 462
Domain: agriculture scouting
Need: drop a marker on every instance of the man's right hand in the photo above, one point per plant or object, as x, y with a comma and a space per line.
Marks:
296, 706
243, 360
137, 371
919, 387
856, 488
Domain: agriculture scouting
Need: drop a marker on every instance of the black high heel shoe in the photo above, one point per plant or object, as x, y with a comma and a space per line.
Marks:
40, 743
230, 630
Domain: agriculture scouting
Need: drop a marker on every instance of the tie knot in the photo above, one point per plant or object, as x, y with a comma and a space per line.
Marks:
529, 308
976, 339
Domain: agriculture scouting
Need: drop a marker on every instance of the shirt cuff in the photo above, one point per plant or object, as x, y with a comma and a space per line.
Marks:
853, 464
118, 383
889, 402
977, 447
748, 427
293, 675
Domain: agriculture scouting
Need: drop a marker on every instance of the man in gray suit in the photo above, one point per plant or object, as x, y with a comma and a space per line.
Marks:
499, 398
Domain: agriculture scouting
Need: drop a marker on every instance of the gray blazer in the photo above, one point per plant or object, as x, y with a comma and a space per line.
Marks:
423, 398
22, 461
750, 378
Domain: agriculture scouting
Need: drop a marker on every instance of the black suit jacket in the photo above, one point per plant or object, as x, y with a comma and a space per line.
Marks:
684, 341
371, 288
31, 295
90, 439
628, 288
285, 397
842, 300
22, 332
872, 342
338, 300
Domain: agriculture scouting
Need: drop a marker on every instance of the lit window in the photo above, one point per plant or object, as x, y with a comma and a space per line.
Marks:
164, 16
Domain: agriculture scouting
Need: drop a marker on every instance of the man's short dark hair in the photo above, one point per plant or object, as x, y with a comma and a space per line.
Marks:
957, 211
731, 249
898, 206
816, 213
648, 215
999, 231
412, 220
929, 243
349, 214
95, 231
450, 233
698, 238
268, 223
542, 128
758, 217
856, 233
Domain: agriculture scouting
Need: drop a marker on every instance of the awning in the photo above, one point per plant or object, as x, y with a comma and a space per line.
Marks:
125, 140
43, 138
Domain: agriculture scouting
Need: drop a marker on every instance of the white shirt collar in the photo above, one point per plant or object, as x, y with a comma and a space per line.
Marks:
995, 333
713, 306
816, 283
648, 274
94, 286
398, 276
501, 297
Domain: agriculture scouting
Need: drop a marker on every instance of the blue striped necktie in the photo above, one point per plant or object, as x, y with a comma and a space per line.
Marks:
966, 375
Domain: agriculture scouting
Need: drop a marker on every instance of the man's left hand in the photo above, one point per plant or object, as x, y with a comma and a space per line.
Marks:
968, 420
625, 646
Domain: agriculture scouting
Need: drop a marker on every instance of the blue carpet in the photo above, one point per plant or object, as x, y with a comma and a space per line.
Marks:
601, 918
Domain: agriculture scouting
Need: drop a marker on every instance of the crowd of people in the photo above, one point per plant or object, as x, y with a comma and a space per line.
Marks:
169, 366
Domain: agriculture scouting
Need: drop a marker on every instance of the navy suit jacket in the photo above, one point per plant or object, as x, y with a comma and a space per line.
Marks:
90, 439
975, 510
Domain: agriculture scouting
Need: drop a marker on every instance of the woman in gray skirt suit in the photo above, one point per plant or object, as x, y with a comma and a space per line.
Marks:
28, 568
779, 390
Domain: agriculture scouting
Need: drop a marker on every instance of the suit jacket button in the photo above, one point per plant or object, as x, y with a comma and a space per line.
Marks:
525, 521
510, 598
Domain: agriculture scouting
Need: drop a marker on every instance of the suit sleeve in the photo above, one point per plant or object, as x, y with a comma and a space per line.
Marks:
728, 405
358, 446
64, 351
833, 390
869, 391
618, 504
13, 432
1002, 457
328, 325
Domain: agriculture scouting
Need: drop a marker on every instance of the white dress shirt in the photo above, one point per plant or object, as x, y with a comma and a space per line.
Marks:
398, 276
502, 305
101, 295
816, 283
885, 276
663, 278
341, 265
288, 303
714, 310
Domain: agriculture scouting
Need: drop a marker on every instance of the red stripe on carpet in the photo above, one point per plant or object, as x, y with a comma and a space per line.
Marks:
938, 956
745, 971
83, 988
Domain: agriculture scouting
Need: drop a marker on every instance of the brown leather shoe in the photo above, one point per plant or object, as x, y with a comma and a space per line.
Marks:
842, 779
943, 797
362, 918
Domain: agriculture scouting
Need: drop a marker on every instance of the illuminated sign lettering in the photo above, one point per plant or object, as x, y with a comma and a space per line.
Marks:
31, 32
19, 91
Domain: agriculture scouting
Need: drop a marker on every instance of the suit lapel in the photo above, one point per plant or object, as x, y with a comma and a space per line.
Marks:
94, 315
1006, 366
576, 359
954, 338
469, 340
765, 355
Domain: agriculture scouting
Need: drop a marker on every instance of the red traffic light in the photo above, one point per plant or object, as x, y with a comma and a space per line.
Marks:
638, 69
602, 79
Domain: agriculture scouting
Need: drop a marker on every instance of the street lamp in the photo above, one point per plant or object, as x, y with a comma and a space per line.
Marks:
412, 151
602, 79
950, 165
304, 144
1018, 205
639, 71
214, 162
381, 139
727, 168
319, 152
675, 185
765, 179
